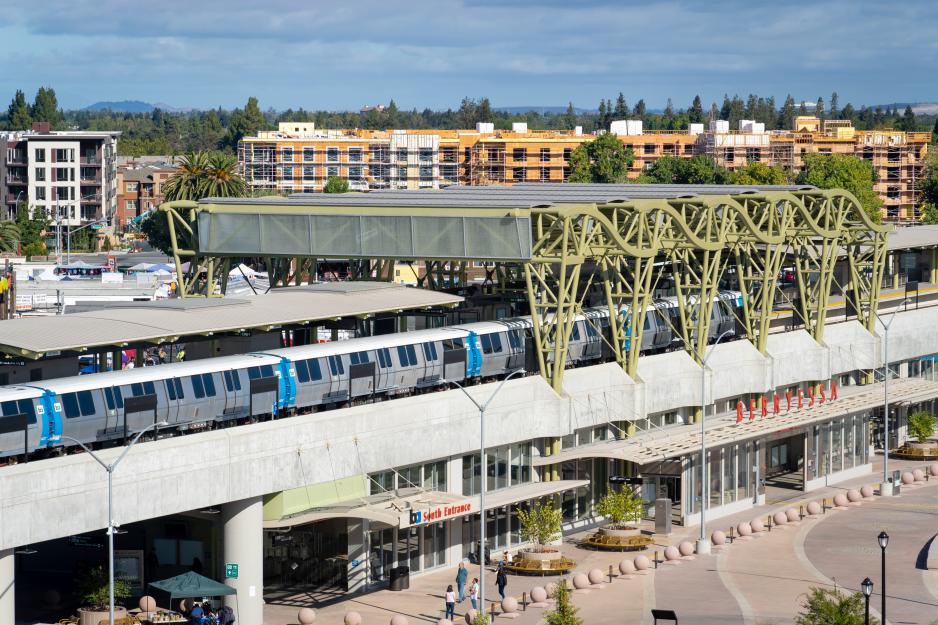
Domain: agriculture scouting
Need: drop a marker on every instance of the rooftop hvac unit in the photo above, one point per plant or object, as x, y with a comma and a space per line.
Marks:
521, 127
719, 125
695, 129
578, 131
485, 127
626, 127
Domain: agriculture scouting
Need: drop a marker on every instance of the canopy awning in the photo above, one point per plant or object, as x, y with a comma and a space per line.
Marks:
192, 585
413, 506
682, 440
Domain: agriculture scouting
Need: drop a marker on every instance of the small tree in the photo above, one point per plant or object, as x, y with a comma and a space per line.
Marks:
921, 425
541, 523
565, 613
620, 507
604, 159
482, 618
94, 589
829, 606
336, 185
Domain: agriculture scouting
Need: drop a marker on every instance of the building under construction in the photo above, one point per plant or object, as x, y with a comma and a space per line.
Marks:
298, 158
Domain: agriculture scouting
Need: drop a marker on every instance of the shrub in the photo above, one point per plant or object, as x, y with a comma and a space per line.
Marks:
830, 606
565, 613
921, 425
93, 588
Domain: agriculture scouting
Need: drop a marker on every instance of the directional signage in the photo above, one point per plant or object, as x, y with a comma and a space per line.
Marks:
231, 571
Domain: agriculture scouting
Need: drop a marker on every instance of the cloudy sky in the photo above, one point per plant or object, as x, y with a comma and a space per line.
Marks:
341, 55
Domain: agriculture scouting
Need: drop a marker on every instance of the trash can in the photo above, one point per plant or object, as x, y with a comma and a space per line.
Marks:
400, 578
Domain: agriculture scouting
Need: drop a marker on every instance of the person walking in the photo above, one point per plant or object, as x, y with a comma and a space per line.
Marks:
501, 579
474, 593
450, 603
461, 576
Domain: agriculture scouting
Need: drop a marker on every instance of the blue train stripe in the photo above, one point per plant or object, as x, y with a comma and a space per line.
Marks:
473, 355
287, 384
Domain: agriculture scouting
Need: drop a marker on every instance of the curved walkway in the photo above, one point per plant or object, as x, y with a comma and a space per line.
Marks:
845, 549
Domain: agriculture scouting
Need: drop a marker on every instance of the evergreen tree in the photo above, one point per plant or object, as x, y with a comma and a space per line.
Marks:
18, 112
485, 110
639, 110
786, 117
907, 122
46, 108
934, 132
834, 102
714, 112
695, 113
245, 123
601, 118
669, 112
725, 109
752, 106
622, 109
564, 612
569, 118
393, 114
848, 112
819, 108
802, 109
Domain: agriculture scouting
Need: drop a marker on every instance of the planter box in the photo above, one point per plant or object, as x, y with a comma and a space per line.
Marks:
543, 556
93, 617
621, 533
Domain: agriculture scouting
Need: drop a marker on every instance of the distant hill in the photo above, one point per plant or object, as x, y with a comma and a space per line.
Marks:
133, 106
919, 108
520, 110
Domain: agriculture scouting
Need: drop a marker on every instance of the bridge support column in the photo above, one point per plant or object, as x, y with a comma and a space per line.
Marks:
244, 546
7, 586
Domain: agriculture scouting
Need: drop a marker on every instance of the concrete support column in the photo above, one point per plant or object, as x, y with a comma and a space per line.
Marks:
7, 585
357, 564
244, 546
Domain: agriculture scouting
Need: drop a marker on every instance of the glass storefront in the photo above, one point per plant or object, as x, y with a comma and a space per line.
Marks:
313, 555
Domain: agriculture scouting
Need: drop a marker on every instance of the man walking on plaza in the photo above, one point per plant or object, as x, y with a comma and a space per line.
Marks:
461, 576
501, 579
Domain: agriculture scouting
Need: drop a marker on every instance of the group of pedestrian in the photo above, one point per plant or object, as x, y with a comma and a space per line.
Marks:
459, 595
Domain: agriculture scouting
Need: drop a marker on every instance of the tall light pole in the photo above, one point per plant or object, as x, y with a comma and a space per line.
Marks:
886, 488
703, 543
883, 540
867, 586
483, 473
110, 468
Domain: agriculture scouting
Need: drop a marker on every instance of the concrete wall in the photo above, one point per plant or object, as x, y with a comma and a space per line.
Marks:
58, 497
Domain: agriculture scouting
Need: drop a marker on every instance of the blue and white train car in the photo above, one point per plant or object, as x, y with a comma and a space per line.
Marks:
40, 431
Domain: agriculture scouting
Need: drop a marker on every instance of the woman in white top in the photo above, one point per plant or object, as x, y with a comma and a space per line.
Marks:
474, 593
450, 603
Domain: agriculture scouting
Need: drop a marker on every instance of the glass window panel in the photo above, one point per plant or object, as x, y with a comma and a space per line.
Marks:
412, 354
742, 471
729, 473
714, 476
209, 384
302, 371
848, 443
197, 386
836, 446
70, 405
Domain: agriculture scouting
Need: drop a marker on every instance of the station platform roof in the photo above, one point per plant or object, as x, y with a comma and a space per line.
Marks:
913, 237
681, 441
125, 324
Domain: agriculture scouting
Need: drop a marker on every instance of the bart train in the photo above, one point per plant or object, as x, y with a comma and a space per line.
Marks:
102, 408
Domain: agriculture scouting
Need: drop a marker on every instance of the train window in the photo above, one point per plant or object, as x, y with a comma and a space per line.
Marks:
590, 330
336, 365
513, 339
23, 406
647, 324
236, 380
136, 389
358, 358
209, 382
197, 386
119, 397
486, 341
302, 372
575, 334
429, 351
178, 384
229, 385
86, 403
496, 343
254, 373
70, 405
109, 398
315, 373
267, 371
449, 344
412, 353
171, 389
402, 356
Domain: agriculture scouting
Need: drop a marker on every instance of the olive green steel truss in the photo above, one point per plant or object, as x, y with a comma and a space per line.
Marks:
623, 245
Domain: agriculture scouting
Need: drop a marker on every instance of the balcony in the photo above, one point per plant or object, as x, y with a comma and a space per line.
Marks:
21, 181
91, 161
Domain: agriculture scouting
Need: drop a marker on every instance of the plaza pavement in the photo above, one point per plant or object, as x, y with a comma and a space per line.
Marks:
762, 580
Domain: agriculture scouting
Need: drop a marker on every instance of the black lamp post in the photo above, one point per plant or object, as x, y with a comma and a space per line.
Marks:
883, 541
867, 586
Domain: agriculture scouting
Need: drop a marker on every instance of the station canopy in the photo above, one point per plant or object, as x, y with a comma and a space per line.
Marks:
125, 324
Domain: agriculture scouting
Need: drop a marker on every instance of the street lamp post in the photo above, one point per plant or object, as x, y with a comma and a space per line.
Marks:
110, 468
883, 539
483, 473
867, 586
703, 543
886, 488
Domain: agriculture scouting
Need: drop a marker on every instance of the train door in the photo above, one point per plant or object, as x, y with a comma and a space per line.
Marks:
361, 374
176, 397
338, 382
385, 368
432, 370
454, 360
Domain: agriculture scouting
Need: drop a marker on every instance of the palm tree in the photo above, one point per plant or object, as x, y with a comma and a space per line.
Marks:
221, 177
9, 236
185, 183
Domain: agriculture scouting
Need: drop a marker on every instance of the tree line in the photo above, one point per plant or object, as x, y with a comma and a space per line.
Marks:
172, 133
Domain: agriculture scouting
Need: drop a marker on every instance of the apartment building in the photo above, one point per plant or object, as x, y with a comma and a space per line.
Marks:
140, 188
298, 158
71, 175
